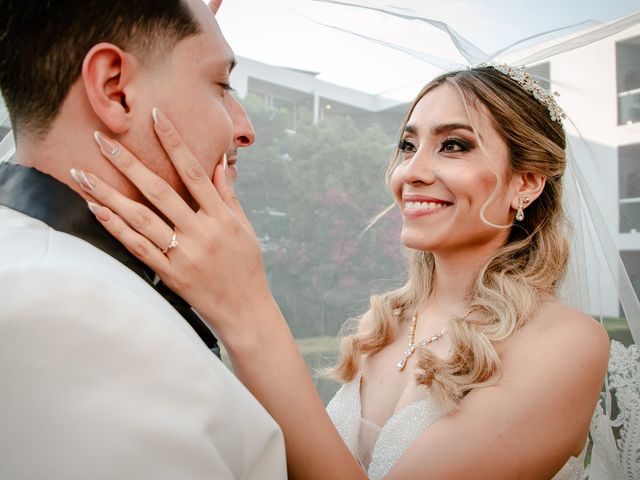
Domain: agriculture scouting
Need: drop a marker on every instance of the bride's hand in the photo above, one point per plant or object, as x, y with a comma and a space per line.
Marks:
217, 267
215, 262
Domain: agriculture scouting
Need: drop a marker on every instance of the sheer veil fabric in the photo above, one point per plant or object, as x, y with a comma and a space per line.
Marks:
7, 146
596, 265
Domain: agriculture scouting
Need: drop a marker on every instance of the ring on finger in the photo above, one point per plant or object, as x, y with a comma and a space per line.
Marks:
172, 244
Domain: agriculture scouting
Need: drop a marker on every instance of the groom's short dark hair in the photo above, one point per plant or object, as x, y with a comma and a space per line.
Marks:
43, 44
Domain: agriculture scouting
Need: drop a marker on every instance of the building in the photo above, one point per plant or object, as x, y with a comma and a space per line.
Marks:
291, 89
599, 87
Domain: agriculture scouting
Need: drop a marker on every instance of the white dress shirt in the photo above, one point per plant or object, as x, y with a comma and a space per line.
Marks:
101, 378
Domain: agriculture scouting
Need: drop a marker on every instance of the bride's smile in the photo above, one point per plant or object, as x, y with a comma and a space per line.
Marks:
418, 205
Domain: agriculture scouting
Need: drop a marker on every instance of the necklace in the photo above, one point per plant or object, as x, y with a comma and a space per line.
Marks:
413, 346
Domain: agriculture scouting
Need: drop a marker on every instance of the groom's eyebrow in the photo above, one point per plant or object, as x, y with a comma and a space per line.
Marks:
222, 67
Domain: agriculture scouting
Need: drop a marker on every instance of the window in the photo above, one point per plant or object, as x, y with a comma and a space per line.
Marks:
629, 187
628, 80
631, 260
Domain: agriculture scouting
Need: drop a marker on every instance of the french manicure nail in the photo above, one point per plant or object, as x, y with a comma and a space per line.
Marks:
101, 214
93, 207
82, 179
109, 147
160, 120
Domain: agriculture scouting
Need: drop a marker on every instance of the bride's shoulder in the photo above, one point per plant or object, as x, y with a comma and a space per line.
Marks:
569, 324
564, 335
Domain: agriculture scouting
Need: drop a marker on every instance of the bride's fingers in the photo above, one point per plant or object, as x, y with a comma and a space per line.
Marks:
136, 215
137, 244
188, 167
224, 187
154, 188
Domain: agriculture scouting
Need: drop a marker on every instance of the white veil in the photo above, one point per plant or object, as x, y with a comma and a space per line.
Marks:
596, 264
7, 146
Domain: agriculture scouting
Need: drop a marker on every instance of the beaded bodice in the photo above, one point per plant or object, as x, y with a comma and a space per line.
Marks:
378, 448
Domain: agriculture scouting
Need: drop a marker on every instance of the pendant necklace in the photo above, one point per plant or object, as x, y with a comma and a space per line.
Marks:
413, 346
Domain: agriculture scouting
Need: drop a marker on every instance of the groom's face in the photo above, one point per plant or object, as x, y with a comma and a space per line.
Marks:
192, 87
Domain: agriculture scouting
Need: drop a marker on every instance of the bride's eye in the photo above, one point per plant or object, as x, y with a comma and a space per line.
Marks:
406, 147
452, 144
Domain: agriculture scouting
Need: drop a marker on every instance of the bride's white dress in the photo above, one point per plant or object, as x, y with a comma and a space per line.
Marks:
377, 448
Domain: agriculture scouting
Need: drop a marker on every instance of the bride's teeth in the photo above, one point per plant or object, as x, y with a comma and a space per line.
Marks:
423, 205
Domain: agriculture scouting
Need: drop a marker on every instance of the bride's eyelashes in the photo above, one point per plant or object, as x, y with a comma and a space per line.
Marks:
447, 145
454, 144
406, 146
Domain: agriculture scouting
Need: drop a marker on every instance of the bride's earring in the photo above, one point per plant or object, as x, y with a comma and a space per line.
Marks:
520, 212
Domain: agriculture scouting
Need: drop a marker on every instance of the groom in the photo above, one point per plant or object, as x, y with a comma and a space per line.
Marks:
106, 374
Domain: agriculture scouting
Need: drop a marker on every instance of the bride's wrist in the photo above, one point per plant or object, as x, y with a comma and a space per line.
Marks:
249, 326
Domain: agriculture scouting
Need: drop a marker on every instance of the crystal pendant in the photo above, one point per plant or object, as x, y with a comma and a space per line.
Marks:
520, 215
407, 353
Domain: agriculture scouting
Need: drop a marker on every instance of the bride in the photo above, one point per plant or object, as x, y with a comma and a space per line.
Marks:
473, 368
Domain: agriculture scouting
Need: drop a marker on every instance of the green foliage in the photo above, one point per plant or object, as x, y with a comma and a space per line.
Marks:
618, 329
310, 194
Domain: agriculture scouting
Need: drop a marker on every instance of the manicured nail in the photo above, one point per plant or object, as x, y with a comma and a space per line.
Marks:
160, 120
100, 213
93, 207
225, 163
87, 182
109, 147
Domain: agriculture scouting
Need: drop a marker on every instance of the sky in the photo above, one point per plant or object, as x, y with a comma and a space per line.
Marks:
291, 33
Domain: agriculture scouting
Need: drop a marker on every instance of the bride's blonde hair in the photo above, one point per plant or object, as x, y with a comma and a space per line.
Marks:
510, 285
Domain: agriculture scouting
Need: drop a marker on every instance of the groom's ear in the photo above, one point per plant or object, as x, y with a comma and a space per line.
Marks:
107, 72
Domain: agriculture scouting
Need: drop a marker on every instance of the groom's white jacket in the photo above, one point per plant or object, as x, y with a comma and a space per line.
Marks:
100, 378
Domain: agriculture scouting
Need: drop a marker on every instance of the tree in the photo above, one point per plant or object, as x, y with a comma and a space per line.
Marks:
310, 194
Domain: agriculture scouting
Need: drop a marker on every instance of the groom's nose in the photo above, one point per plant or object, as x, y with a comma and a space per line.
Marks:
243, 133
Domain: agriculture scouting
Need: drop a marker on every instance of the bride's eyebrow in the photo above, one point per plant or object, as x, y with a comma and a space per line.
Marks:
447, 127
410, 129
441, 128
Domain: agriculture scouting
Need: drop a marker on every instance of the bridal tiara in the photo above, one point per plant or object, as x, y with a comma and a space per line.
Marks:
527, 82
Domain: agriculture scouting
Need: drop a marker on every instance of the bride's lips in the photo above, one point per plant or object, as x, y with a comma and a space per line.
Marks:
414, 206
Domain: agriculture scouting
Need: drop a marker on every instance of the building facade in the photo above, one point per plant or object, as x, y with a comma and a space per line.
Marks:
599, 86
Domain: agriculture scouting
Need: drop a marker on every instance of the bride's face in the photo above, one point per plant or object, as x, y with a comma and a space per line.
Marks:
444, 177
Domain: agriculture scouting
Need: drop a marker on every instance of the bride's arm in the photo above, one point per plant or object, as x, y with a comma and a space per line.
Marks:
217, 267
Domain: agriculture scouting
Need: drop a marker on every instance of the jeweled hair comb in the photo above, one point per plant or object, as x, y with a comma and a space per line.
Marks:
526, 81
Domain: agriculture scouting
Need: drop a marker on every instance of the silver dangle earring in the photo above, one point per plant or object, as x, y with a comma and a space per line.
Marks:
520, 212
